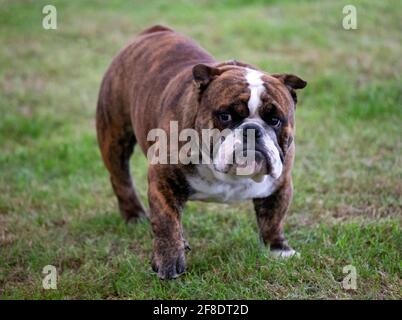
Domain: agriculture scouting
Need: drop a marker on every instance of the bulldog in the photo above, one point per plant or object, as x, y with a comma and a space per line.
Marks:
163, 77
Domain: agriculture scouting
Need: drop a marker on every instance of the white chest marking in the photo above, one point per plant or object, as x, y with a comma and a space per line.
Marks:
213, 186
256, 86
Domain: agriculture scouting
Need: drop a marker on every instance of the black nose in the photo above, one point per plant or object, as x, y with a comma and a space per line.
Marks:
249, 128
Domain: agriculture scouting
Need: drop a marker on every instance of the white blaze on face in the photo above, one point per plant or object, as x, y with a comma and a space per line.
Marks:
256, 86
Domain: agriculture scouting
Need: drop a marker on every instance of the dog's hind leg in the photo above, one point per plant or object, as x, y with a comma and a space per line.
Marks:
116, 141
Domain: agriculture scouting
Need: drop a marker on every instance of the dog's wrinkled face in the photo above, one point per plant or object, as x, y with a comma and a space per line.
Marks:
255, 112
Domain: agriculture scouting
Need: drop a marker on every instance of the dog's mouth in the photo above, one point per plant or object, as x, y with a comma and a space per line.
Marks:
251, 164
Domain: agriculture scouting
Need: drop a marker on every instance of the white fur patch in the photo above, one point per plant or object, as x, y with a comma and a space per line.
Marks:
274, 156
225, 152
256, 86
272, 150
210, 185
284, 254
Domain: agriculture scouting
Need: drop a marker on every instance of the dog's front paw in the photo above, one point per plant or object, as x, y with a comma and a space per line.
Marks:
283, 251
168, 261
284, 254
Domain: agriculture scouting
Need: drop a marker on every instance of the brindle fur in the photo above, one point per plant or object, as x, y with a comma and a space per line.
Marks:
150, 83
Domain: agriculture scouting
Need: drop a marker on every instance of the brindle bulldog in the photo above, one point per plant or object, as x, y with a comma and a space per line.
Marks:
163, 76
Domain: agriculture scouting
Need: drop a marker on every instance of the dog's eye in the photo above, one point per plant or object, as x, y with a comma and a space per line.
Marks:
274, 122
225, 118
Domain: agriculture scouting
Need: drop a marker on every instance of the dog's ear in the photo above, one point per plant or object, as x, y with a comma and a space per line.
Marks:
292, 82
204, 74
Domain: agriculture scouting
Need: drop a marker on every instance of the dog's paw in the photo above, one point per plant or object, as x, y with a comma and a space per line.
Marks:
169, 264
284, 253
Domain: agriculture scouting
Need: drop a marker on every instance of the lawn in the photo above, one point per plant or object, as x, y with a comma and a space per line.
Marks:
56, 203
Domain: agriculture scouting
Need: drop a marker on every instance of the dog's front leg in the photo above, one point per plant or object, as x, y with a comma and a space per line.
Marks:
168, 258
271, 212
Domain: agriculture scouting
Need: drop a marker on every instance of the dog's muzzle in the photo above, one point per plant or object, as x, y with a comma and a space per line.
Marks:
248, 151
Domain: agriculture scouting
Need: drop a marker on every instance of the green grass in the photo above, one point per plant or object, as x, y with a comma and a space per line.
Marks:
56, 203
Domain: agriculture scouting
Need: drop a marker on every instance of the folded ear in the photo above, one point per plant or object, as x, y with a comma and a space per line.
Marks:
204, 74
292, 82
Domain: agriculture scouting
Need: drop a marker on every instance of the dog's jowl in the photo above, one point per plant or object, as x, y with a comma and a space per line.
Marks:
163, 77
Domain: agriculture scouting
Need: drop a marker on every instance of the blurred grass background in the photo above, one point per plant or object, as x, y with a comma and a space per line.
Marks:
56, 203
